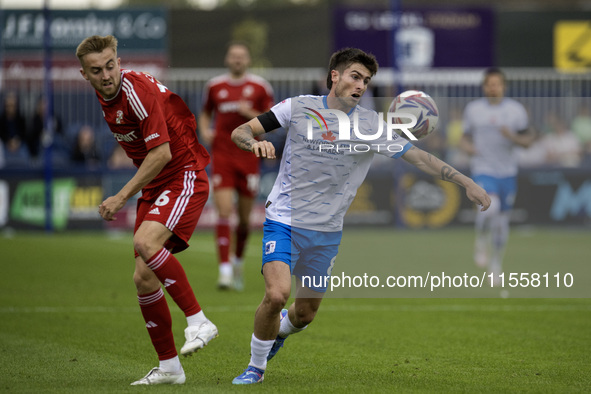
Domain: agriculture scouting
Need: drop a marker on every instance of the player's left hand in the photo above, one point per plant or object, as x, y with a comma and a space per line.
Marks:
478, 196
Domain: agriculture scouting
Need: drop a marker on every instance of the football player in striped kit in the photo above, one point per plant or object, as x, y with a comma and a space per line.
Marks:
158, 132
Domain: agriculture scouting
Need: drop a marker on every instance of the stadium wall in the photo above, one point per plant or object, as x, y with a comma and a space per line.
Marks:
390, 197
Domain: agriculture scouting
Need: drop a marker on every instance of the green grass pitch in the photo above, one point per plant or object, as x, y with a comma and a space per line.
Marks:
70, 323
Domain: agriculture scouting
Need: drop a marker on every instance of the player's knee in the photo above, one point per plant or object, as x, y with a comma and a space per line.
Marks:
225, 209
276, 299
305, 315
145, 246
140, 244
145, 281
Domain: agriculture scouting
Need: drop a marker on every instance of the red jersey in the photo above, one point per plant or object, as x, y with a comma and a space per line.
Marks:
221, 97
145, 114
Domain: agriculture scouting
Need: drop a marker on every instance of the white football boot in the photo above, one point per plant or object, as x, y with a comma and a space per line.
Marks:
198, 336
158, 376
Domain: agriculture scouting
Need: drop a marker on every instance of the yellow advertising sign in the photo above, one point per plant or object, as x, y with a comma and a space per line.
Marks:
572, 45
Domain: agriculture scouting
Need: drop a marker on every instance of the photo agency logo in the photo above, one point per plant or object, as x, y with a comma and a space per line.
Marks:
332, 138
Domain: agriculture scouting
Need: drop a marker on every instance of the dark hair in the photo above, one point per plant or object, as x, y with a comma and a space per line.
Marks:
494, 71
342, 59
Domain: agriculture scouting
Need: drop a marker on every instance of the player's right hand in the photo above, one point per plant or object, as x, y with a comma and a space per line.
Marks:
206, 137
478, 195
263, 149
110, 207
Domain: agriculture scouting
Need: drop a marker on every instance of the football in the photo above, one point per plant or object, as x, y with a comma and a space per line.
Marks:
419, 104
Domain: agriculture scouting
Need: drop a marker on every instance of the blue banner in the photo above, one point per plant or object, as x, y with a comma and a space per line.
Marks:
136, 29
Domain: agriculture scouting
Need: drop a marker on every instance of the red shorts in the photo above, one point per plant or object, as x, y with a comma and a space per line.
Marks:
236, 173
177, 205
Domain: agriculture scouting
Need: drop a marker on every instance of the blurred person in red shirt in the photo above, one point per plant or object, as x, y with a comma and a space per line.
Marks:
228, 101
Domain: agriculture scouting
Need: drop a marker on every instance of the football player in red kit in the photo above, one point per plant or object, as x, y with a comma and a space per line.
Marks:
158, 132
232, 99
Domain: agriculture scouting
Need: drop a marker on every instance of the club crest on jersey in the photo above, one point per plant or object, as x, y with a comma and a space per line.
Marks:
270, 247
119, 118
247, 91
222, 94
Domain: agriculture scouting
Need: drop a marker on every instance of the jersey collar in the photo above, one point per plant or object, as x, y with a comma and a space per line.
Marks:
325, 103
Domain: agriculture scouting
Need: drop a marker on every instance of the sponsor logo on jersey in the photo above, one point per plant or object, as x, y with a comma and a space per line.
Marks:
229, 106
129, 137
151, 137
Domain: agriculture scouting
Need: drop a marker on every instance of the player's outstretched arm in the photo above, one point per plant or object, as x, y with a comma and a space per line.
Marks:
154, 162
243, 137
431, 165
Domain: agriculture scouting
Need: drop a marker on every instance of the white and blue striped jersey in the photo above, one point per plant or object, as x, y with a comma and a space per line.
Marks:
322, 168
496, 155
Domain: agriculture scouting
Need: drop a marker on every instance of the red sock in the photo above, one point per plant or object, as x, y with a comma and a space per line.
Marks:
222, 232
172, 275
241, 237
159, 323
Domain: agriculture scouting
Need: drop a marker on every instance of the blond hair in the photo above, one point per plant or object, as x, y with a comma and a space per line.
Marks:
96, 44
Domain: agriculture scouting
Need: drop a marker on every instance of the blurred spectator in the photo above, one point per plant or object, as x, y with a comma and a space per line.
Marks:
453, 134
12, 124
35, 132
561, 145
581, 126
119, 160
85, 150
